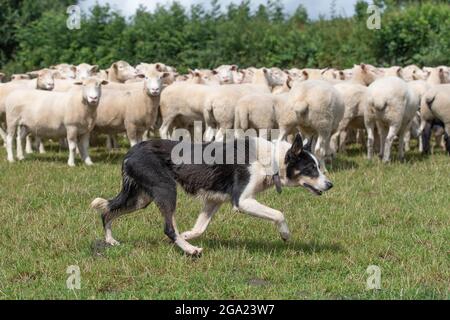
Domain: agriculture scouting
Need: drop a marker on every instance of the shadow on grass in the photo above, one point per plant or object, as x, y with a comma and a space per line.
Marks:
275, 247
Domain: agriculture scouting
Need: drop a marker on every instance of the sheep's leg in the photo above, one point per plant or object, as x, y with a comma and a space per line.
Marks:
83, 146
407, 141
382, 132
41, 145
21, 137
29, 145
335, 142
388, 143
203, 220
322, 150
3, 135
115, 142
402, 144
283, 134
370, 128
220, 134
109, 144
133, 135
72, 142
164, 130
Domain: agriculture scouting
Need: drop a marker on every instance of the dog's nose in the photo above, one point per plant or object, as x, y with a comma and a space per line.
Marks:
329, 185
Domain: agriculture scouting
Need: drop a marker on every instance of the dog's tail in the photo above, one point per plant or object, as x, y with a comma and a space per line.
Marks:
118, 203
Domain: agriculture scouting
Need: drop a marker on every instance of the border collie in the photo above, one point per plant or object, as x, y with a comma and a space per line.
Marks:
150, 173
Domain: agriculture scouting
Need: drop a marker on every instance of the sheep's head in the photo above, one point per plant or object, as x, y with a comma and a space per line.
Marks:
84, 71
64, 71
45, 79
225, 73
91, 90
153, 82
123, 71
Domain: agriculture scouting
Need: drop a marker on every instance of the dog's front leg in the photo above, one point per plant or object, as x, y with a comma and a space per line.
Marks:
203, 220
256, 209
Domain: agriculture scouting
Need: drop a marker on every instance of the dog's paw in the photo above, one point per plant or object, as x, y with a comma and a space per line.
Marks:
194, 251
112, 242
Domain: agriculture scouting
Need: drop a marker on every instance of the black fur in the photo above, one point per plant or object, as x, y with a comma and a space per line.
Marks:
150, 174
426, 134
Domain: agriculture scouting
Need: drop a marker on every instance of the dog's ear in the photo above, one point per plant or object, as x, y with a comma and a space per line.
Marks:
308, 145
295, 150
297, 146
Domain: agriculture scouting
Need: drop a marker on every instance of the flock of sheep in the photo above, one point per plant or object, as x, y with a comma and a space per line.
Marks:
71, 103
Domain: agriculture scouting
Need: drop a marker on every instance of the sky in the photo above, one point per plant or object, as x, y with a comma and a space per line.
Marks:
314, 7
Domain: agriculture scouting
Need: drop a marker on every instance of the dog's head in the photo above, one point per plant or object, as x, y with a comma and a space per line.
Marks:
303, 169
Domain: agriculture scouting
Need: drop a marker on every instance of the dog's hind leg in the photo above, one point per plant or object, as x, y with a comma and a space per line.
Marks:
203, 220
256, 209
130, 199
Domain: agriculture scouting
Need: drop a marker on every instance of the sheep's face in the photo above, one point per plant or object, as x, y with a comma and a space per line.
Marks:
303, 169
84, 71
154, 83
225, 73
68, 72
124, 71
413, 72
277, 76
92, 91
45, 80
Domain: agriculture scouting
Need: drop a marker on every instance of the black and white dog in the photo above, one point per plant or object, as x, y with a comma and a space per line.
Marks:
151, 173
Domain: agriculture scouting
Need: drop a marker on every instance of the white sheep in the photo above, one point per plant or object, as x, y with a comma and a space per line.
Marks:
391, 107
315, 107
54, 115
437, 100
219, 108
132, 111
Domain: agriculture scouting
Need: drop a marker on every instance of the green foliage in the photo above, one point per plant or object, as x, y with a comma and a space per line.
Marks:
33, 36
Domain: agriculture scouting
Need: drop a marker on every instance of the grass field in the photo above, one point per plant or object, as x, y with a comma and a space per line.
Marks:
396, 217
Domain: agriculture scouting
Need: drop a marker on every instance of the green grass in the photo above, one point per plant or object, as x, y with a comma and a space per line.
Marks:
394, 216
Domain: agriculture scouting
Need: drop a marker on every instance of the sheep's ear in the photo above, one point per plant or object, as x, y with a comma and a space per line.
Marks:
158, 67
53, 67
363, 67
324, 70
33, 74
297, 146
305, 74
165, 75
399, 72
265, 70
289, 82
234, 67
104, 82
73, 68
140, 75
214, 71
78, 83
114, 65
95, 68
